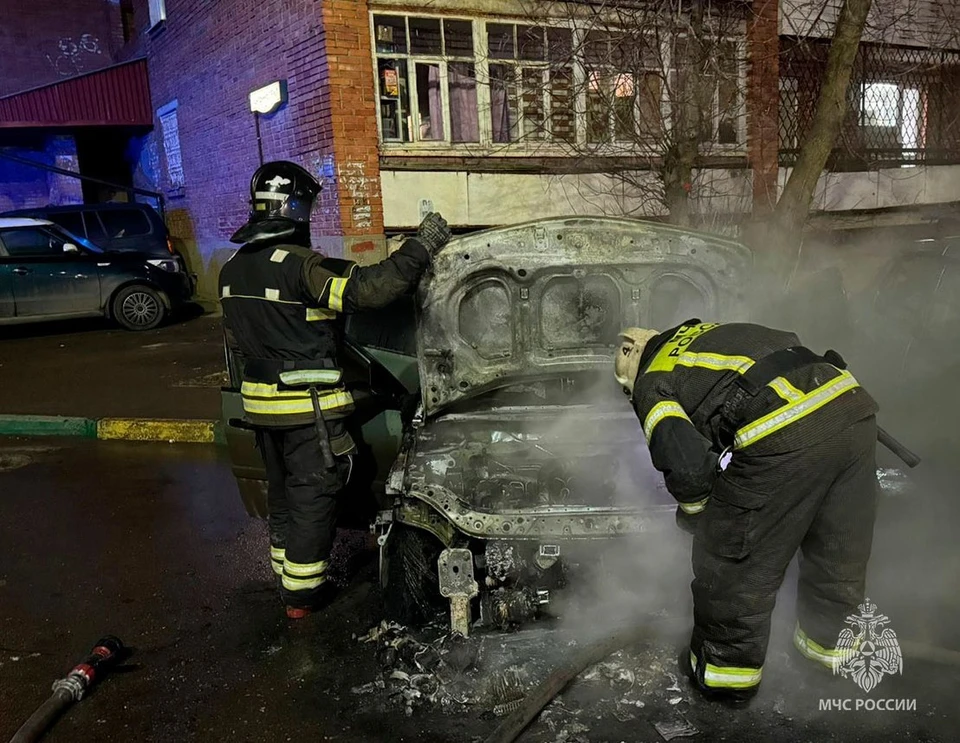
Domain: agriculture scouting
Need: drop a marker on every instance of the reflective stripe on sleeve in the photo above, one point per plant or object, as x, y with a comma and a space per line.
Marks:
664, 409
728, 677
337, 287
695, 507
315, 314
794, 411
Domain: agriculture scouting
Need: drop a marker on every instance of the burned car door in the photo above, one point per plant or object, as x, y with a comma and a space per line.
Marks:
380, 368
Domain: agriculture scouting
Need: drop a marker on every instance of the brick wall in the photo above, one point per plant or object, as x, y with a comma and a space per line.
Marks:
47, 40
207, 59
354, 128
763, 99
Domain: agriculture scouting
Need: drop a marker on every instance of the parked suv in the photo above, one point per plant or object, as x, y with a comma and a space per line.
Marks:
47, 273
112, 227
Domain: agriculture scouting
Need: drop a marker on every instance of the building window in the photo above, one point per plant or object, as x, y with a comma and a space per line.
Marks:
426, 79
458, 81
170, 134
531, 82
158, 12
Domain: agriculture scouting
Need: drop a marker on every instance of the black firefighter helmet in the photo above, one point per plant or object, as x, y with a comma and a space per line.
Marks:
281, 197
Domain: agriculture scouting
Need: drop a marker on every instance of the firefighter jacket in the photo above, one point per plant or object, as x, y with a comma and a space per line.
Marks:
686, 376
282, 306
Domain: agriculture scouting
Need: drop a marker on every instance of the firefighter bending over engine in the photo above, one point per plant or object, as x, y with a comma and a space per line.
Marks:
802, 476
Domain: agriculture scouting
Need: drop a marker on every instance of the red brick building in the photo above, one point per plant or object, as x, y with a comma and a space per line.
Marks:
488, 113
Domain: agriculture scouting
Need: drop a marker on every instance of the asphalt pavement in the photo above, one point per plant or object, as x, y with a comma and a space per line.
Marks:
150, 542
94, 369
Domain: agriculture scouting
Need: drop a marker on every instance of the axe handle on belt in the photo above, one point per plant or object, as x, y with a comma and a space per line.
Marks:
908, 457
323, 435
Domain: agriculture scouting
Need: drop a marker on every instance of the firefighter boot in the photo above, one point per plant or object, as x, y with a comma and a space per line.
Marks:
733, 698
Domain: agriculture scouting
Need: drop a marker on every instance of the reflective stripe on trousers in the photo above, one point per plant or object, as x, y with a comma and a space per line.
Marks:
727, 677
829, 657
304, 576
276, 559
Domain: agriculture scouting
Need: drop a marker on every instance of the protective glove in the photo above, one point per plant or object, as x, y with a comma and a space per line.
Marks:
433, 232
687, 522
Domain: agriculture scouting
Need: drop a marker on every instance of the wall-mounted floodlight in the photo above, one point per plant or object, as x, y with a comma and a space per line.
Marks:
269, 98
266, 100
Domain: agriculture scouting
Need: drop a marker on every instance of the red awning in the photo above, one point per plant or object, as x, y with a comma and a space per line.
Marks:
114, 96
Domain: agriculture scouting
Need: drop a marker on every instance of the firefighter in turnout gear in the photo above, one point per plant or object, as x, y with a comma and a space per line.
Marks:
282, 305
801, 434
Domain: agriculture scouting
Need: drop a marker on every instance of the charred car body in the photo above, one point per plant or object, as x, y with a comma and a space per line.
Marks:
520, 458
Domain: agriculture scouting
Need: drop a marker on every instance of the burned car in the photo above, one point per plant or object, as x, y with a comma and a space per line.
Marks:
518, 457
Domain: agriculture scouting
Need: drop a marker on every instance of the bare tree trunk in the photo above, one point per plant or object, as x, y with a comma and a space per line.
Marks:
683, 151
794, 204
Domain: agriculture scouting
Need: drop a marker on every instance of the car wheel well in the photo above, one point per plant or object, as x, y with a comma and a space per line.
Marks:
108, 307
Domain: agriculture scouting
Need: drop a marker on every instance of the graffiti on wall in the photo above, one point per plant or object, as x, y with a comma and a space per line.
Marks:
354, 181
73, 55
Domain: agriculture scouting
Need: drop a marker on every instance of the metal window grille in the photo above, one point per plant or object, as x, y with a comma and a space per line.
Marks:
902, 108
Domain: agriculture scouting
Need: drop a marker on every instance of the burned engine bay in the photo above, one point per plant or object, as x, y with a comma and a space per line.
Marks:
520, 490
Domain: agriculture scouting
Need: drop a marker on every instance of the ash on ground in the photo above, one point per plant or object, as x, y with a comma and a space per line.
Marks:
489, 675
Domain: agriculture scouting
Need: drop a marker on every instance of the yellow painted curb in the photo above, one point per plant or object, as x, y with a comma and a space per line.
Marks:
172, 431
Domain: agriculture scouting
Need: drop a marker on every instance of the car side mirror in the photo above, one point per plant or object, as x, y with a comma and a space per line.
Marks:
70, 248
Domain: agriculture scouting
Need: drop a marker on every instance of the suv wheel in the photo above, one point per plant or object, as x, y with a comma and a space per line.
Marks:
138, 307
411, 591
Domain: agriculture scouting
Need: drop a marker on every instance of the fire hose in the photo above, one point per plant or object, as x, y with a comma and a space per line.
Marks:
106, 654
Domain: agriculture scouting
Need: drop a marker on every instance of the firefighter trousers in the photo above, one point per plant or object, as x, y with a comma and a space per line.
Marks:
820, 500
302, 500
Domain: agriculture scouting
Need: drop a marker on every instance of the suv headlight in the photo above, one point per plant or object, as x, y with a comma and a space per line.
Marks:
165, 264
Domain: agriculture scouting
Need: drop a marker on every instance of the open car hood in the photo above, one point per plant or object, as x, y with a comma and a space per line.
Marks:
550, 297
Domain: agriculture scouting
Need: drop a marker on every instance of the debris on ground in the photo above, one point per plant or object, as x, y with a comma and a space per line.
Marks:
491, 675
678, 728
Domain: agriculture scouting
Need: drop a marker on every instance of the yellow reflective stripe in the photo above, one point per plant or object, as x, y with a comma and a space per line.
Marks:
792, 412
695, 507
311, 376
813, 650
302, 584
262, 299
330, 401
786, 390
262, 389
728, 677
337, 286
664, 409
666, 358
315, 314
305, 570
277, 553
277, 566
715, 361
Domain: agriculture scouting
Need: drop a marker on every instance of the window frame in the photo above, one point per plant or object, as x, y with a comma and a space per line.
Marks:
158, 13
43, 229
547, 145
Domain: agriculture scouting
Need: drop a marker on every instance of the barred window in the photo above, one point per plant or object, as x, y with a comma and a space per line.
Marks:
902, 107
